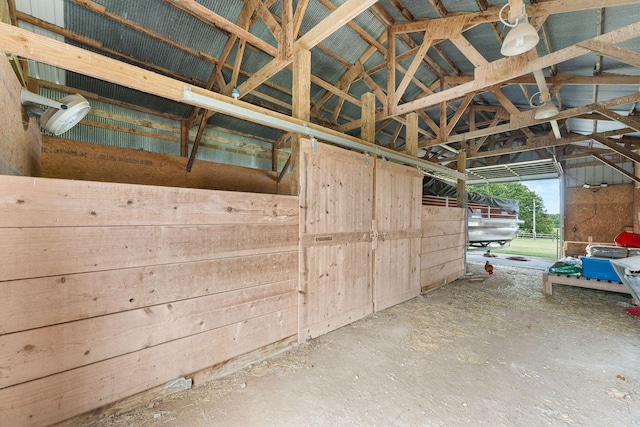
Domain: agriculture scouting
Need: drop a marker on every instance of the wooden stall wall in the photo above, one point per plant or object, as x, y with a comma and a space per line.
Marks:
20, 135
360, 236
398, 203
109, 290
596, 215
67, 159
443, 243
336, 212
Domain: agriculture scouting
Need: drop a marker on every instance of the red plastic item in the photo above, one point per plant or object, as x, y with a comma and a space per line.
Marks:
628, 240
634, 311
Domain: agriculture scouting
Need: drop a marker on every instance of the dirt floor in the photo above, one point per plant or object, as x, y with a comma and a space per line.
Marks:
492, 353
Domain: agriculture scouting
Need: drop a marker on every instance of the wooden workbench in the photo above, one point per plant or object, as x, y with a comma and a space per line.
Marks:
548, 280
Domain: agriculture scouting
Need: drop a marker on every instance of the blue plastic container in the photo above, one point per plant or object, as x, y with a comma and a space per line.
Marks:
598, 268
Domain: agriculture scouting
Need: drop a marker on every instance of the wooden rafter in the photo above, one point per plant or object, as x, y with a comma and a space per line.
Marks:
206, 15
610, 51
616, 167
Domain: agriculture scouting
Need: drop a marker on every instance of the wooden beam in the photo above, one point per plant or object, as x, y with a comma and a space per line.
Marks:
461, 109
343, 14
543, 142
506, 69
301, 108
184, 138
391, 104
265, 14
469, 51
288, 35
206, 15
20, 42
461, 196
198, 138
368, 129
438, 27
411, 71
625, 120
615, 167
629, 154
614, 52
411, 132
560, 79
526, 119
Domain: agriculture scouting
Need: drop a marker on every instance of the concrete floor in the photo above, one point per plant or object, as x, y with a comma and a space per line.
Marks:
492, 353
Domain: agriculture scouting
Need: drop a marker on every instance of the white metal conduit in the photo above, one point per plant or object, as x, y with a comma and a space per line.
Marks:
272, 120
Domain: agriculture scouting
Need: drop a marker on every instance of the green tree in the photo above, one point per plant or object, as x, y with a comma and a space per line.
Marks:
545, 224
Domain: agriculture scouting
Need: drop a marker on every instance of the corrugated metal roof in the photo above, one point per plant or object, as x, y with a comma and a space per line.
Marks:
203, 43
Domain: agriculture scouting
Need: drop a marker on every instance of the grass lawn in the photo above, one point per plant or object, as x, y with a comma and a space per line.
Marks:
546, 248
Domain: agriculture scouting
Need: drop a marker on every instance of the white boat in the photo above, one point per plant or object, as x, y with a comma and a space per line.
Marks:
489, 219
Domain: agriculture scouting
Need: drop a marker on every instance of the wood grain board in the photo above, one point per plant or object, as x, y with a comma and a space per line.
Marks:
336, 205
442, 256
113, 289
398, 200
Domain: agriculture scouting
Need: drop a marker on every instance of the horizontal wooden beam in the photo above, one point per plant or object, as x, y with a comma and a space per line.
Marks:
614, 52
198, 11
337, 19
544, 142
617, 168
20, 42
438, 28
505, 69
526, 119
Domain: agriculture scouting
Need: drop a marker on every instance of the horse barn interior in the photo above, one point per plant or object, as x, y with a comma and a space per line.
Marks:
248, 181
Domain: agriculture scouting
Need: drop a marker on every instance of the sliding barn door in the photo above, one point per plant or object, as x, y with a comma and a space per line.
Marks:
397, 225
336, 208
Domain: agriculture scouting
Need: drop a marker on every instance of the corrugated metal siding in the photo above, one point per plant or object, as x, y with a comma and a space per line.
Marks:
116, 138
144, 48
576, 176
50, 11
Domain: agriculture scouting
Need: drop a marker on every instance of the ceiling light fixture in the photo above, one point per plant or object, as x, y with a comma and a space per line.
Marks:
61, 115
546, 110
521, 37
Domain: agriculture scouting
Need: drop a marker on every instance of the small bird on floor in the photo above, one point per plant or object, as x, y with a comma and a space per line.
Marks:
488, 268
489, 254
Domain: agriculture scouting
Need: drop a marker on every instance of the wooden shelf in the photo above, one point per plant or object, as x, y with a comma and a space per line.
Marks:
548, 280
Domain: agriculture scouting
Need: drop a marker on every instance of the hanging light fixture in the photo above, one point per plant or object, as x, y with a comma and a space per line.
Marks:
61, 115
546, 110
522, 36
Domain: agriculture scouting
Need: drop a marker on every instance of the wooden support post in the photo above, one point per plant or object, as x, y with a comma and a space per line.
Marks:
391, 107
462, 167
300, 108
368, 129
274, 157
443, 114
184, 137
411, 133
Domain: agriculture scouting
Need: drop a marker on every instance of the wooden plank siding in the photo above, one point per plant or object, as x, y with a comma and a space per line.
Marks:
442, 256
398, 200
113, 289
336, 210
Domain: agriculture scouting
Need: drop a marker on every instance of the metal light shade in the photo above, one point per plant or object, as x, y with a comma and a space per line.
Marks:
61, 115
520, 39
546, 111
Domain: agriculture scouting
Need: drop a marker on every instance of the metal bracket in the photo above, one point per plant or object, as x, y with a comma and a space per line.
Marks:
178, 384
384, 162
366, 157
314, 144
